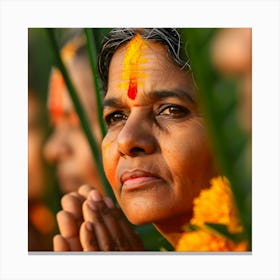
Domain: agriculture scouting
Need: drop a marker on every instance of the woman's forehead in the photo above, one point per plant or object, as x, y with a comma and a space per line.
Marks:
141, 54
153, 70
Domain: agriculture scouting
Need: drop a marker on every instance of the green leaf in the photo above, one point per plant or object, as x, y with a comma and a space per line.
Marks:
219, 102
223, 231
92, 52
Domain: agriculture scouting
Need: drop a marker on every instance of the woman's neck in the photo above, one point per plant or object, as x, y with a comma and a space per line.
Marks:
172, 229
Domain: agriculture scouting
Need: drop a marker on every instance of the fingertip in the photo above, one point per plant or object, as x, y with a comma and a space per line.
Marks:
59, 214
78, 196
72, 204
66, 200
88, 238
84, 190
91, 205
95, 195
56, 237
109, 202
60, 244
90, 212
89, 226
67, 224
65, 197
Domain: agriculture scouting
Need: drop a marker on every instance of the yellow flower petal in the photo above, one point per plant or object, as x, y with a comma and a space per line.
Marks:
202, 241
216, 205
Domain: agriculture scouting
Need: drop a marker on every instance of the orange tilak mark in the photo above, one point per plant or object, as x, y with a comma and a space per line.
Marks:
55, 102
133, 66
107, 145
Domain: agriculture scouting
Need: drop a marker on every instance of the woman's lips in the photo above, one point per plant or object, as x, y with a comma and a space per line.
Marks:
135, 179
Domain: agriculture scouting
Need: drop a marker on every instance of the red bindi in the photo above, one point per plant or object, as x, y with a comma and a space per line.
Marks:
132, 88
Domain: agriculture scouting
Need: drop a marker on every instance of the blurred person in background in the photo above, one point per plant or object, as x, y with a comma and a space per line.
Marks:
232, 56
41, 220
67, 146
231, 52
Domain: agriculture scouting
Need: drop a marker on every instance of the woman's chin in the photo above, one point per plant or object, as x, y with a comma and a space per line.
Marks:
140, 222
144, 216
137, 218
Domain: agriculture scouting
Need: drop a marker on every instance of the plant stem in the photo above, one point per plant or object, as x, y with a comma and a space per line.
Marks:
92, 51
230, 153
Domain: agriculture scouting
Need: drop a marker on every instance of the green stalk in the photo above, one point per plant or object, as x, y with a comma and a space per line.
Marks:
230, 151
92, 51
79, 109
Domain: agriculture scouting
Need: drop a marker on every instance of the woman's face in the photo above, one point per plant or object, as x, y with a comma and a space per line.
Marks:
67, 146
155, 153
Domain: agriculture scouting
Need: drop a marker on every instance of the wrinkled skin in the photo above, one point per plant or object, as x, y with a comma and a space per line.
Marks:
156, 154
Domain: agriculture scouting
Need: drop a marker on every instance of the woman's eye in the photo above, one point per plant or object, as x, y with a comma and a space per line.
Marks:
174, 111
115, 118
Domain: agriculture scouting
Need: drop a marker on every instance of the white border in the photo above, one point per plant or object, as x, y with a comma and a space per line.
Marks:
17, 16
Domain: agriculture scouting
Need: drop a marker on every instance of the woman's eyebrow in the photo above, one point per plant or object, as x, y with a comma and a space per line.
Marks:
154, 95
180, 94
112, 102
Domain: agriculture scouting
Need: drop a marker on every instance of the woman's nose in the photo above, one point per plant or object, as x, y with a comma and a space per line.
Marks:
136, 138
56, 148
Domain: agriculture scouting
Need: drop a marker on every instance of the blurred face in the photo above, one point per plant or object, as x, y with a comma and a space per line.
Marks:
36, 165
155, 154
67, 146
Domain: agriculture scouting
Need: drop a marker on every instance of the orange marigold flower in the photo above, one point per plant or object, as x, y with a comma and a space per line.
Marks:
216, 205
42, 218
213, 205
203, 241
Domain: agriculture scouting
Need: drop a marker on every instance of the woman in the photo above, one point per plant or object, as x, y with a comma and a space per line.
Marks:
67, 147
155, 154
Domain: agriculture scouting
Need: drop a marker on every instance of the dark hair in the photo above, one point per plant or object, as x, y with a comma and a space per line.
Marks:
169, 37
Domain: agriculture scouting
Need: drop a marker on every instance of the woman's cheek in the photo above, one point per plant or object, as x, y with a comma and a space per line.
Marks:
192, 152
110, 174
109, 162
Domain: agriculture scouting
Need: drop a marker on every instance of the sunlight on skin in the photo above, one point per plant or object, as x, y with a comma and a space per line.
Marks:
133, 71
107, 145
57, 88
57, 98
